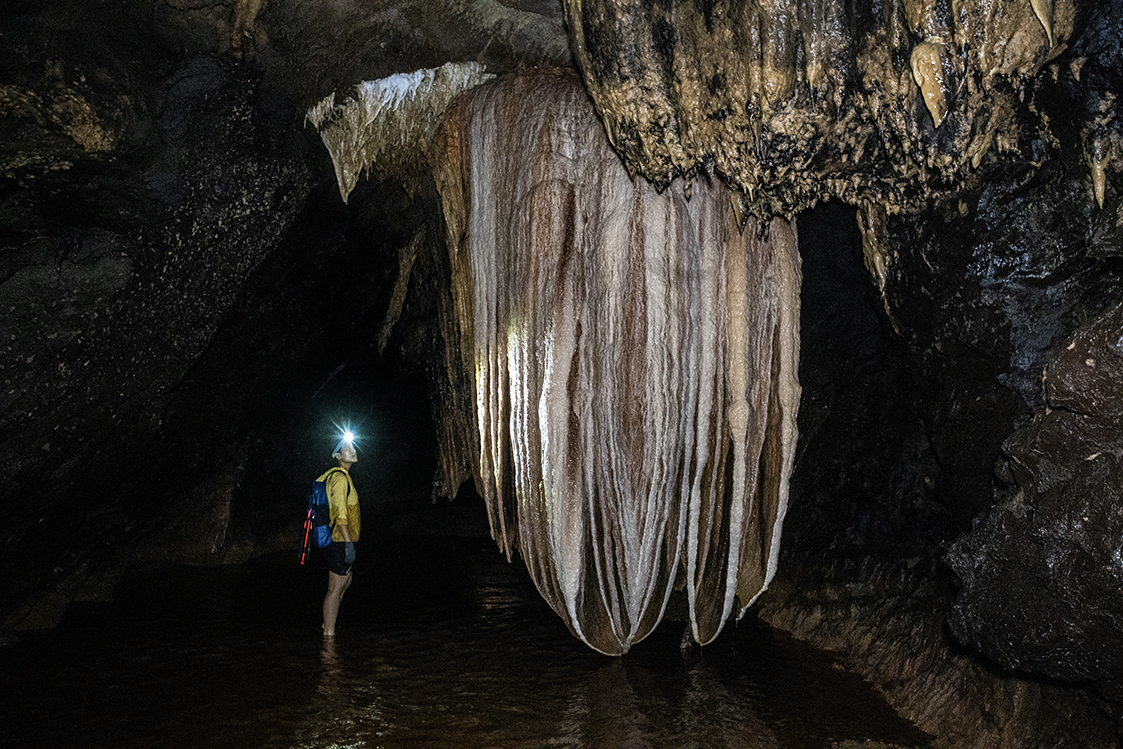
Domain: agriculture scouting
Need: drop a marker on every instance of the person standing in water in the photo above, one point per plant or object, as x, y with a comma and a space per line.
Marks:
343, 501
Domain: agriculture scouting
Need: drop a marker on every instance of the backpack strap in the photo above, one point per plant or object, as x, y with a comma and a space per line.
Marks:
348, 479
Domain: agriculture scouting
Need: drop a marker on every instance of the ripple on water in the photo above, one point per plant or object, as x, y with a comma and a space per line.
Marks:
440, 645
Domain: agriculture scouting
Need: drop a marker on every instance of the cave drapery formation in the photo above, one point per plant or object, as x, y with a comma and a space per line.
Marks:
633, 357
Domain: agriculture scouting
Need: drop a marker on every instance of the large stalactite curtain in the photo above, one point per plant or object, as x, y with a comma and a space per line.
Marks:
634, 363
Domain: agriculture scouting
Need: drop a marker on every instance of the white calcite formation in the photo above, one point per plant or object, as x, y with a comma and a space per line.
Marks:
387, 124
633, 357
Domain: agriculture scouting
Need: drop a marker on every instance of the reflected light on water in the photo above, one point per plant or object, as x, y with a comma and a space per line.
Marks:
441, 643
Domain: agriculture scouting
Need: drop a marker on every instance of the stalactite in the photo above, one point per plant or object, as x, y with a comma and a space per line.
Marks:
927, 68
1043, 9
406, 257
780, 96
633, 357
244, 16
1099, 155
387, 124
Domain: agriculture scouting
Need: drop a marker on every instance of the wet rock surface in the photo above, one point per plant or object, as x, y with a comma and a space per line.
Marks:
887, 621
793, 102
863, 574
1041, 572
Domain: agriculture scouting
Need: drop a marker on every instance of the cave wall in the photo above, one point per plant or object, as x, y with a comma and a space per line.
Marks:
1041, 573
183, 294
120, 263
891, 538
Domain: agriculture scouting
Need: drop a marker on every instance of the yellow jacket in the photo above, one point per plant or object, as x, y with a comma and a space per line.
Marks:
343, 500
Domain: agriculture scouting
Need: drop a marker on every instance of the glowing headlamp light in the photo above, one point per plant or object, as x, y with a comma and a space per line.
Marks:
346, 437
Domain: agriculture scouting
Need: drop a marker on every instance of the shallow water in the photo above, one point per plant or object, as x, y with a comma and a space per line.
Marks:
441, 643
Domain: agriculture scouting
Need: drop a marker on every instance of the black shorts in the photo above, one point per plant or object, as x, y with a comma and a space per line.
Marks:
334, 554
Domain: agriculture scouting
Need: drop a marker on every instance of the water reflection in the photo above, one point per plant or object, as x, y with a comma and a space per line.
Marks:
450, 647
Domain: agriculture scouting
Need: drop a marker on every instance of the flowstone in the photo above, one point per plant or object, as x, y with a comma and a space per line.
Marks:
633, 360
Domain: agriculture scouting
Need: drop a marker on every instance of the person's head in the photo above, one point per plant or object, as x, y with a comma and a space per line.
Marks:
345, 453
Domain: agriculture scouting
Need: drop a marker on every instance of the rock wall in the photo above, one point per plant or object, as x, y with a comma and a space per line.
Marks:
171, 321
1041, 574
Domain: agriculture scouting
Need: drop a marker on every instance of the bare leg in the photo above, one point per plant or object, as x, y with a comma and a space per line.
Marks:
336, 585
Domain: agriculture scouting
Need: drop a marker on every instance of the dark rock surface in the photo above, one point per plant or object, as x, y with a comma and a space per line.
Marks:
1042, 572
795, 101
983, 292
887, 621
934, 390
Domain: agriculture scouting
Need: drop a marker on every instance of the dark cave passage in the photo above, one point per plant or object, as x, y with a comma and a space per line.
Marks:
296, 359
865, 475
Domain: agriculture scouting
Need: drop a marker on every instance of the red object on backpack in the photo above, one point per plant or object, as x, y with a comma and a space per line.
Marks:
307, 535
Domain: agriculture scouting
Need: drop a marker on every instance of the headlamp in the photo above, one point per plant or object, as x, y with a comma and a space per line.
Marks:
346, 437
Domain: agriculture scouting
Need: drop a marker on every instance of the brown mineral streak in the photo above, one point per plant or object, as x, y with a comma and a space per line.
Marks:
596, 332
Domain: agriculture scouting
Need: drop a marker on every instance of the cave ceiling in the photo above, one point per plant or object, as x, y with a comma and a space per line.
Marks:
887, 104
872, 102
895, 107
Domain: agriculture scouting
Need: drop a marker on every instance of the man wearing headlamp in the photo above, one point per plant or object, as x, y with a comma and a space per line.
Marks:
343, 501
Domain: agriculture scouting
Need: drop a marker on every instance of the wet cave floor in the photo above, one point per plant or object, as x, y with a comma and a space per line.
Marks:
441, 643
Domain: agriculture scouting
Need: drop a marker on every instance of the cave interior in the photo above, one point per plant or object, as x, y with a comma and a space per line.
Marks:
191, 309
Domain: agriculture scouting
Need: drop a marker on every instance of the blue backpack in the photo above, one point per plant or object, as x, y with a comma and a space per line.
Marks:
317, 523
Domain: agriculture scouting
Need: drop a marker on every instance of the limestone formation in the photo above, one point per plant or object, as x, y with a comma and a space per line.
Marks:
797, 101
244, 15
927, 61
387, 124
633, 356
184, 295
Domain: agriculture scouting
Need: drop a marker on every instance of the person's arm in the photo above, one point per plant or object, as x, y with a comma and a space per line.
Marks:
338, 500
348, 545
340, 511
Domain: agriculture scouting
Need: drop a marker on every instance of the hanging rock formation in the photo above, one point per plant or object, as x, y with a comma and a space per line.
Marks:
387, 124
794, 101
633, 357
